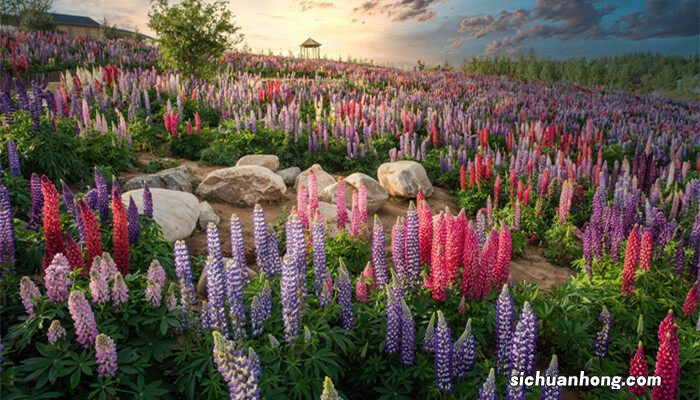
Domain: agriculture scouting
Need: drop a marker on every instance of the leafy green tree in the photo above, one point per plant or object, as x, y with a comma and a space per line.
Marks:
193, 34
29, 15
109, 30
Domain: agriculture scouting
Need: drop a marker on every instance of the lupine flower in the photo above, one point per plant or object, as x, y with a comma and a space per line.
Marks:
262, 256
425, 231
602, 340
102, 197
296, 248
565, 199
667, 363
504, 328
444, 350
318, 243
147, 201
379, 253
92, 232
329, 392
155, 282
120, 292
629, 271
344, 286
28, 292
362, 205
216, 311
274, 343
83, 318
53, 236
55, 332
515, 392
646, 250
471, 278
691, 301
290, 299
412, 248
183, 271
35, 218
464, 352
437, 282
398, 253
234, 295
313, 194
342, 212
393, 322
237, 369
99, 287
503, 257
256, 317
523, 344
56, 279
408, 336
74, 254
551, 391
274, 251
106, 355
638, 367
355, 220
429, 338
134, 224
488, 390
13, 158
121, 234
302, 206
361, 289
7, 229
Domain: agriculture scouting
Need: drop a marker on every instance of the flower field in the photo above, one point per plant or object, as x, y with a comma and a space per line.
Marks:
96, 303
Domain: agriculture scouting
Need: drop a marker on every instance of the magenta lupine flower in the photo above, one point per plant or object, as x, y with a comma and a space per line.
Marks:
429, 338
274, 251
56, 279
412, 248
464, 352
355, 220
523, 344
28, 292
342, 212
504, 328
35, 218
302, 206
318, 243
120, 292
379, 253
133, 221
313, 194
444, 350
154, 287
488, 390
240, 371
262, 256
290, 299
408, 336
565, 199
147, 201
183, 270
55, 332
551, 391
362, 205
13, 158
106, 355
99, 288
602, 339
398, 253
83, 318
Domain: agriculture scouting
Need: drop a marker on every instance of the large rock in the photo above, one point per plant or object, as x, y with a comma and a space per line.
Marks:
330, 194
207, 215
269, 161
329, 212
323, 178
404, 178
245, 185
176, 212
178, 178
289, 175
376, 194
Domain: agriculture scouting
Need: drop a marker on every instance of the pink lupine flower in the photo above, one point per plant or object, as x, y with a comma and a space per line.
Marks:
565, 201
99, 287
28, 292
156, 280
505, 249
56, 279
83, 318
342, 212
106, 355
471, 279
120, 292
55, 332
646, 250
691, 301
638, 367
629, 271
313, 193
425, 232
302, 206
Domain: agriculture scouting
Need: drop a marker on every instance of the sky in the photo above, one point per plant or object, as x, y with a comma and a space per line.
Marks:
400, 32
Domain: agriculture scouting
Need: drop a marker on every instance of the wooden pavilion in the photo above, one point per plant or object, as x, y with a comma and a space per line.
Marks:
310, 49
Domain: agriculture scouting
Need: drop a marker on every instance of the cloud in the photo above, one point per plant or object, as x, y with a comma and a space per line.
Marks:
454, 45
661, 18
486, 24
311, 4
400, 10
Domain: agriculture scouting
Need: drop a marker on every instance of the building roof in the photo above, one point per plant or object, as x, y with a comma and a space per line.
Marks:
66, 19
310, 43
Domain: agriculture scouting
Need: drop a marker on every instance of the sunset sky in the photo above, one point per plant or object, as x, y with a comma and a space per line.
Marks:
403, 31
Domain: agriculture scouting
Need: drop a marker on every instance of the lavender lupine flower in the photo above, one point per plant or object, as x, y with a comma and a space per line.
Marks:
265, 298
296, 248
234, 296
28, 292
83, 318
398, 252
99, 288
216, 309
68, 198
55, 332
238, 370
488, 390
444, 349
238, 247
504, 328
116, 187
273, 251
37, 203
106, 355
318, 243
262, 254
602, 339
133, 221
551, 391
154, 287
344, 287
56, 279
379, 253
679, 264
523, 344
290, 299
516, 216
120, 292
13, 158
102, 197
147, 201
429, 338
393, 322
412, 248
256, 317
183, 271
408, 336
465, 352
7, 229
515, 392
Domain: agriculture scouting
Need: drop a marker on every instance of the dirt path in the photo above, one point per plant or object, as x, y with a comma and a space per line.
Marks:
534, 268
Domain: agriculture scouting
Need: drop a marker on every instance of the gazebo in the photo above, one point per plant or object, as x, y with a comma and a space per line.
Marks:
310, 49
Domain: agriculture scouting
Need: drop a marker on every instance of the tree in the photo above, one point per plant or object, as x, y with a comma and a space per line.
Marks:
34, 15
109, 31
193, 34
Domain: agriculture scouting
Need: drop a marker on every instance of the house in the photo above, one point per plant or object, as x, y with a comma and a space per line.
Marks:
77, 25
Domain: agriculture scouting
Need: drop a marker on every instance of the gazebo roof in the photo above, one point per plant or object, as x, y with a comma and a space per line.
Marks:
310, 43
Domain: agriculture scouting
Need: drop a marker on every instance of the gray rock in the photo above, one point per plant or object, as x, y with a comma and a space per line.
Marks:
289, 175
323, 178
245, 185
404, 178
178, 178
376, 194
269, 161
207, 215
176, 212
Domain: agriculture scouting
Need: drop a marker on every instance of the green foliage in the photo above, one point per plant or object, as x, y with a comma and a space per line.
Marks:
473, 199
189, 146
159, 164
432, 167
354, 252
563, 246
34, 15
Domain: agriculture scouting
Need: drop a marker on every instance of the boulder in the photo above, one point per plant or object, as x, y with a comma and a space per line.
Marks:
376, 194
178, 178
323, 178
289, 175
176, 212
269, 161
330, 194
207, 215
329, 212
404, 178
245, 185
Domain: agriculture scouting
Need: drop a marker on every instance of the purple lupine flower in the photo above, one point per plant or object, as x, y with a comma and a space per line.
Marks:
120, 293
183, 271
13, 158
504, 328
155, 282
523, 344
216, 307
273, 251
515, 392
602, 339
256, 317
56, 279
238, 370
679, 264
35, 218
429, 338
102, 197
290, 298
83, 318
393, 322
262, 254
133, 221
296, 248
68, 198
465, 351
379, 253
344, 286
516, 216
99, 288
551, 391
91, 199
28, 292
266, 301
55, 332
587, 247
408, 336
147, 201
412, 248
318, 243
106, 355
234, 296
7, 228
488, 390
444, 349
398, 253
